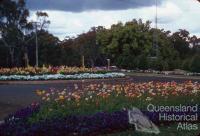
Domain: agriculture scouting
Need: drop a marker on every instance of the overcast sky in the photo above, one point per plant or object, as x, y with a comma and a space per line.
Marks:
72, 17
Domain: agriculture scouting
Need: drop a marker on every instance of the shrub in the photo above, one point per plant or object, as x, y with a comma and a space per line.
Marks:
186, 64
195, 64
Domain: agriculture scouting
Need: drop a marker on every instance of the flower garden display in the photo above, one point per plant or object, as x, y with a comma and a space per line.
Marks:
44, 70
62, 77
97, 109
55, 73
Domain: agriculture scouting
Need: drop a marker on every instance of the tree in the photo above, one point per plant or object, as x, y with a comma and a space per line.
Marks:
128, 45
69, 54
180, 41
13, 24
16, 29
88, 46
195, 64
40, 25
49, 49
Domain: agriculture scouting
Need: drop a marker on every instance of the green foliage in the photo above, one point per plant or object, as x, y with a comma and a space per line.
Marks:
195, 64
128, 45
131, 46
186, 64
143, 62
180, 43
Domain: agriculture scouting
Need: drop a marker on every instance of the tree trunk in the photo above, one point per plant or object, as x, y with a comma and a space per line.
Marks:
92, 63
108, 64
26, 59
11, 50
83, 61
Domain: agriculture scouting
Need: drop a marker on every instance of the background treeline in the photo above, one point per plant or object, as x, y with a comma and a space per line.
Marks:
129, 45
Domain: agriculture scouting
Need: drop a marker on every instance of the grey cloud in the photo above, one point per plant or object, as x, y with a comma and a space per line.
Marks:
85, 5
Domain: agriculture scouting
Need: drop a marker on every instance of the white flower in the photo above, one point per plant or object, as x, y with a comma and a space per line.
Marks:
194, 91
63, 93
62, 77
47, 94
149, 99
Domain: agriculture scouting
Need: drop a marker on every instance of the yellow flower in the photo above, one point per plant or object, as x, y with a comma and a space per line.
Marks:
61, 97
43, 92
39, 92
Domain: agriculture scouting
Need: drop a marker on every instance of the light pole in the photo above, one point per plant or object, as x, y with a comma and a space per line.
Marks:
156, 34
36, 44
154, 54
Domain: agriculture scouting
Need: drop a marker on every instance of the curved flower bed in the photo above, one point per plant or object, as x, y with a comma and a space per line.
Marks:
62, 77
96, 109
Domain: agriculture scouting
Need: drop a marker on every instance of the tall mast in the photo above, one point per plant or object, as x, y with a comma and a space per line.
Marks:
155, 37
156, 17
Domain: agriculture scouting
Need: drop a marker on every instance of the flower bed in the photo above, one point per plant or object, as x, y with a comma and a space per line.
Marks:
54, 73
65, 70
62, 77
99, 123
96, 109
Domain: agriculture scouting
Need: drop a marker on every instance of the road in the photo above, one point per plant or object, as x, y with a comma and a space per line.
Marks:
15, 95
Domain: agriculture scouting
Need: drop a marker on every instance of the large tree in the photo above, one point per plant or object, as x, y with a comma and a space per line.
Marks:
130, 45
13, 25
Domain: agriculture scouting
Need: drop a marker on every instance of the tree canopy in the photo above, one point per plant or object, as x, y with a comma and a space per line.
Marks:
129, 45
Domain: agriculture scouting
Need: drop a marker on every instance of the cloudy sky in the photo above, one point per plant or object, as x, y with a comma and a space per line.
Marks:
72, 17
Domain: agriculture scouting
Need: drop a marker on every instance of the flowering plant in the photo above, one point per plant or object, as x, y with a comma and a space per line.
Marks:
45, 70
96, 109
62, 77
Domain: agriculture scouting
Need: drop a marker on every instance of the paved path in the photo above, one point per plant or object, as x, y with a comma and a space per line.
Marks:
15, 95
